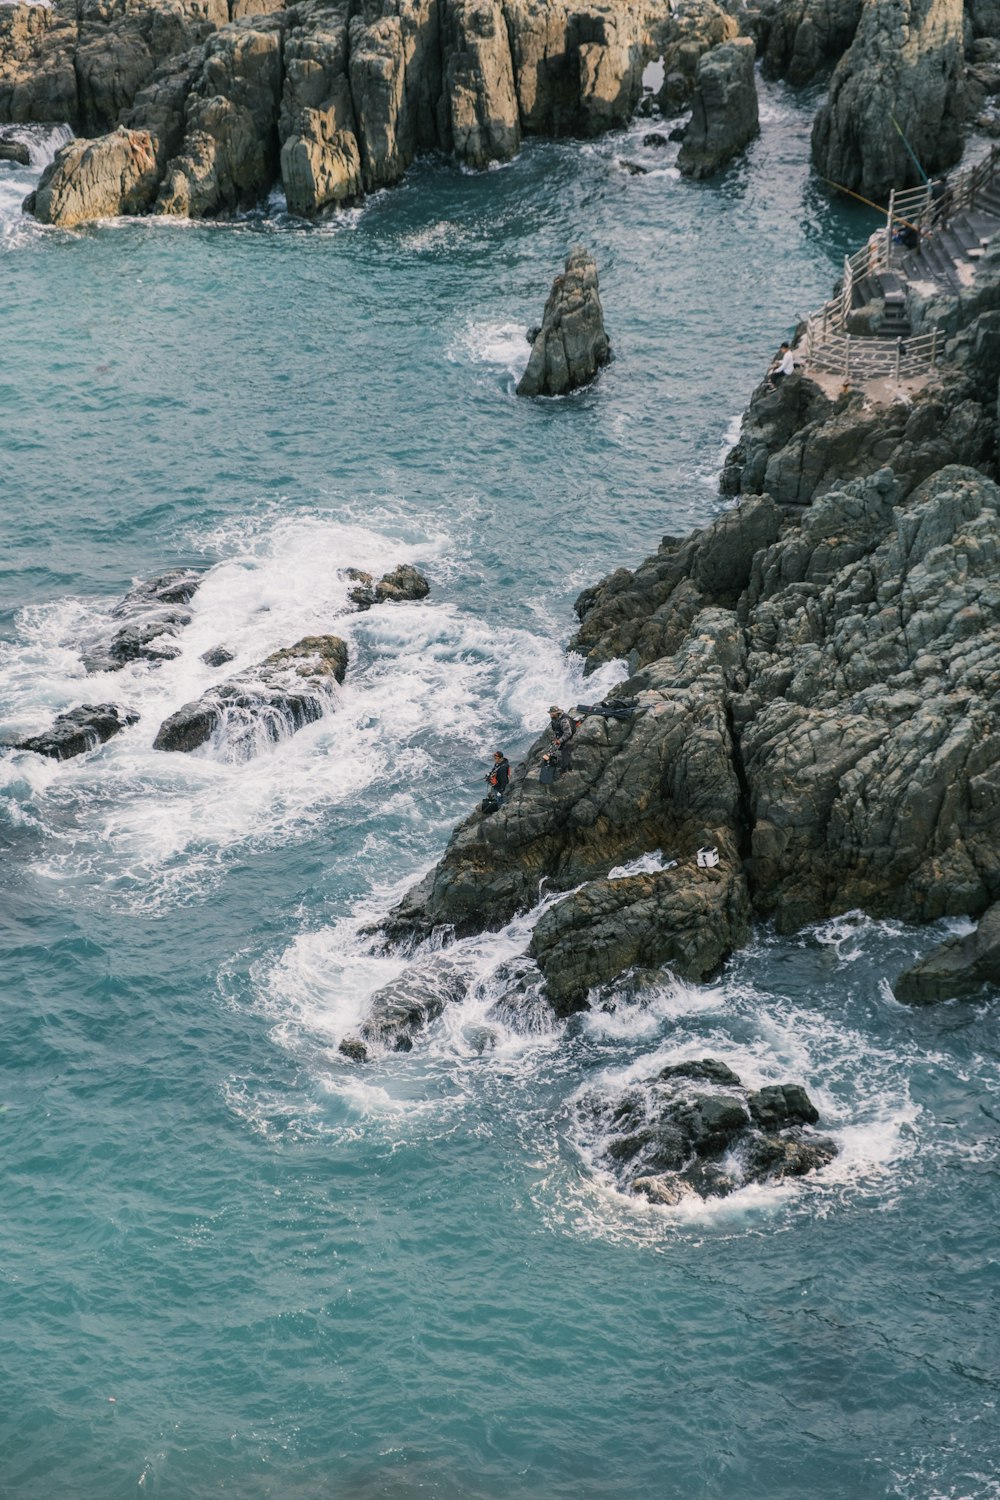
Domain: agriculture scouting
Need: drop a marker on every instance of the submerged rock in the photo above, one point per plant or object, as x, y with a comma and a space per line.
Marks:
15, 151
724, 114
959, 968
154, 612
404, 582
290, 688
80, 730
398, 1009
695, 1130
572, 344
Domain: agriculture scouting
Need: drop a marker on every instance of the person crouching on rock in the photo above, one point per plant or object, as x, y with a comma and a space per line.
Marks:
561, 726
498, 777
783, 365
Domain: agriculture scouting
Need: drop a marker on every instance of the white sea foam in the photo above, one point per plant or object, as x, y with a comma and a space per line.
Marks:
158, 824
497, 342
16, 182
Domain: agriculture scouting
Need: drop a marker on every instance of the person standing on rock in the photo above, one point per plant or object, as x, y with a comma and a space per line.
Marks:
498, 777
561, 726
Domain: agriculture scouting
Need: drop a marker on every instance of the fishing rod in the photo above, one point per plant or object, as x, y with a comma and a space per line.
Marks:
862, 199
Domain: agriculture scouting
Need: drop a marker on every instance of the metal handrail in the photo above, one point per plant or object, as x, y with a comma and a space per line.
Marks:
866, 356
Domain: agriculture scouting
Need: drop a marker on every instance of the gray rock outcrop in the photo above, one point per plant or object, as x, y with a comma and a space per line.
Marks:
79, 730
686, 918
694, 1130
680, 39
397, 1010
959, 969
152, 614
289, 689
804, 36
571, 344
906, 63
724, 113
13, 150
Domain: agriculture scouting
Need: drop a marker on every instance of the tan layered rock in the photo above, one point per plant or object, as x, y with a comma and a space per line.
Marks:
122, 42
228, 157
37, 76
320, 156
479, 99
113, 175
576, 72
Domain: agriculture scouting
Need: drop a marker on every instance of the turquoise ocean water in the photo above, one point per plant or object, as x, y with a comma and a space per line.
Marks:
232, 1263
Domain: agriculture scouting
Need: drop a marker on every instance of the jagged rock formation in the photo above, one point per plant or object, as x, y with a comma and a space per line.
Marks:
800, 37
336, 95
153, 612
960, 968
797, 442
290, 688
571, 345
724, 116
404, 582
681, 38
665, 778
696, 1130
79, 730
906, 62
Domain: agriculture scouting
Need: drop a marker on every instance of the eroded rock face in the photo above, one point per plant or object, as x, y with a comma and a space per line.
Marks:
571, 345
960, 968
663, 778
341, 94
681, 39
803, 36
152, 614
907, 62
695, 1130
16, 151
404, 582
686, 918
115, 174
80, 730
724, 116
290, 688
229, 154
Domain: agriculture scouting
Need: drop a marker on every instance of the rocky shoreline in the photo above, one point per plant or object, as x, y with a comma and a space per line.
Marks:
199, 108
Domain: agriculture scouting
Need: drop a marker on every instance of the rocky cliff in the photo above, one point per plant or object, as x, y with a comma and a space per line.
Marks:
334, 97
816, 696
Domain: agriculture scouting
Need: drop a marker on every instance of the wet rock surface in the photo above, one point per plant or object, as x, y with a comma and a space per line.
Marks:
289, 689
960, 968
695, 1130
571, 344
153, 613
399, 1009
403, 583
79, 730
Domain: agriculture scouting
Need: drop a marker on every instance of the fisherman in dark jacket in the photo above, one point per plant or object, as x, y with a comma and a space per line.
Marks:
561, 726
498, 777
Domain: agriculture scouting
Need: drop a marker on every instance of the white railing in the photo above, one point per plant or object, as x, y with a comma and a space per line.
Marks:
866, 358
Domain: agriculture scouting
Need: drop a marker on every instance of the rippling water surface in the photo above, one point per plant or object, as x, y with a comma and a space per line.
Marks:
234, 1263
